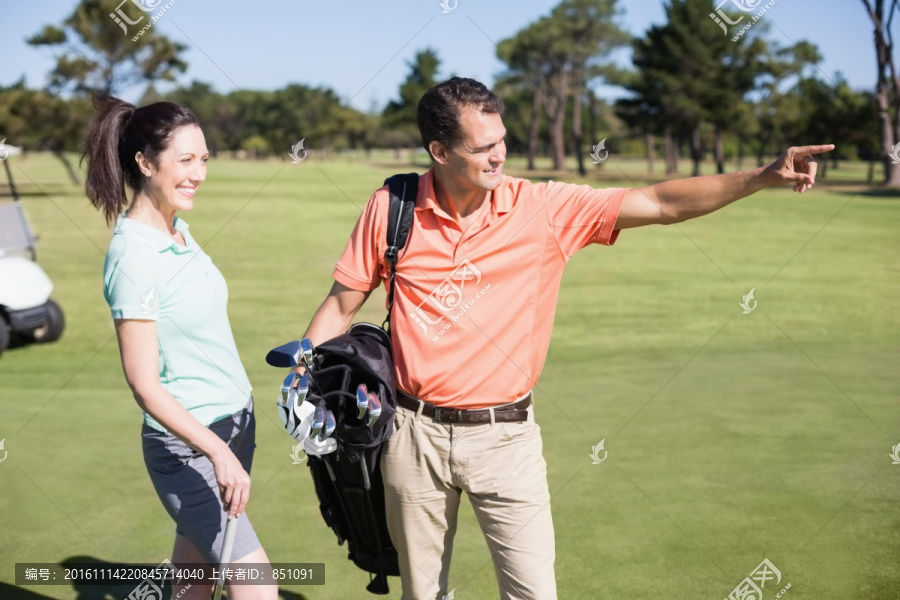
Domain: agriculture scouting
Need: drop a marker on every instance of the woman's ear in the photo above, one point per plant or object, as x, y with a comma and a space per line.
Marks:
144, 164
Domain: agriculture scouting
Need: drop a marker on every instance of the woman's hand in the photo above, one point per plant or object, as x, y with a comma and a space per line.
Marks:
233, 480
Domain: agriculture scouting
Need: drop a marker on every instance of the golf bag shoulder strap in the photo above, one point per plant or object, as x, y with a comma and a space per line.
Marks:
403, 189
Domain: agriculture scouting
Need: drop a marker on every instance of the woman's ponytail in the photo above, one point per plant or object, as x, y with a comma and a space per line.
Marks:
105, 181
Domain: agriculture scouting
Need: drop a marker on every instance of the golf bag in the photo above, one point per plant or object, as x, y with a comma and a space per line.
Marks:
348, 481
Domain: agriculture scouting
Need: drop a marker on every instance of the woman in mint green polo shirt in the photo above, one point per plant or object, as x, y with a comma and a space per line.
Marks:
168, 303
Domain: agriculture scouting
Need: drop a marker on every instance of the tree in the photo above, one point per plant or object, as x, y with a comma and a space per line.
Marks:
690, 74
97, 57
540, 54
644, 111
887, 86
777, 109
43, 121
270, 122
524, 55
837, 114
684, 63
743, 66
653, 88
399, 116
589, 33
519, 117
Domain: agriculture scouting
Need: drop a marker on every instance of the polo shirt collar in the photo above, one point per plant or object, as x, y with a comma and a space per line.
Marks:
502, 198
154, 238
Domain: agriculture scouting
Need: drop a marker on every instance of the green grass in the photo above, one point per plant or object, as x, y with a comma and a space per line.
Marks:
731, 437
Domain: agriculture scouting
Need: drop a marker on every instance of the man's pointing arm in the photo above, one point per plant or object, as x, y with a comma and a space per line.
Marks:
682, 199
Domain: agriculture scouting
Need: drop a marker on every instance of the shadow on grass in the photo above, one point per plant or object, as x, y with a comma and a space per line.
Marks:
98, 591
51, 189
18, 340
875, 192
16, 593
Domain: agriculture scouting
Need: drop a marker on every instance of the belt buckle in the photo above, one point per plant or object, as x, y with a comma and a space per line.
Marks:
439, 416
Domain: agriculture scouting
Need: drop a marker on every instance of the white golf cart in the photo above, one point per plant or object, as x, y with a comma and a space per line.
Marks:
25, 305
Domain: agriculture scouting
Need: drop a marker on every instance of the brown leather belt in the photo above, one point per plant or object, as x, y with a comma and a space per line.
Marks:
508, 413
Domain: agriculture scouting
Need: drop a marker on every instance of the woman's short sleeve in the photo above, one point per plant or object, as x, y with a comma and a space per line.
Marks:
131, 290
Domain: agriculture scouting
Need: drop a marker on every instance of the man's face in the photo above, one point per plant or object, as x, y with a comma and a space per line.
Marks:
476, 160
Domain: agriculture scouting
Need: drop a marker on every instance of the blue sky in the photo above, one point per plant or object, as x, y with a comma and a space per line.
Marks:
360, 48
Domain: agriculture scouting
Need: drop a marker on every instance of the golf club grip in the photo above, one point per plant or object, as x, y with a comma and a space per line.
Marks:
227, 545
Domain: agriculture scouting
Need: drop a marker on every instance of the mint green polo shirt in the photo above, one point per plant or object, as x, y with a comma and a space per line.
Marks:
148, 276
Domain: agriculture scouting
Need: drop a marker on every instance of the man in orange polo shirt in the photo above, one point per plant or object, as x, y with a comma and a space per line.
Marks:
475, 296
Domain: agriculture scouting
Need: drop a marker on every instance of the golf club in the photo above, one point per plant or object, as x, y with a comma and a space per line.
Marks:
302, 388
288, 398
362, 400
306, 351
227, 545
318, 421
287, 387
374, 409
286, 355
329, 426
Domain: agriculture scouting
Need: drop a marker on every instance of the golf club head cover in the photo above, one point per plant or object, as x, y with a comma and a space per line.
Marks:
296, 418
316, 447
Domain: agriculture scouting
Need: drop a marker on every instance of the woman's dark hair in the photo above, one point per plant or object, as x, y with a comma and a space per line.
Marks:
118, 132
438, 110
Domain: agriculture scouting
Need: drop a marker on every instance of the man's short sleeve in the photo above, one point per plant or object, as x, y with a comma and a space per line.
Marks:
131, 290
360, 266
580, 215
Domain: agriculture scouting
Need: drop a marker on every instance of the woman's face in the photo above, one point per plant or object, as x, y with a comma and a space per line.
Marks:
179, 171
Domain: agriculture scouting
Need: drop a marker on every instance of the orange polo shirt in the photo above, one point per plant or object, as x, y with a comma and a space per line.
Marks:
473, 312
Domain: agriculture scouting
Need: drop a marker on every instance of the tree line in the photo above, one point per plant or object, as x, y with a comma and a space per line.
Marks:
690, 92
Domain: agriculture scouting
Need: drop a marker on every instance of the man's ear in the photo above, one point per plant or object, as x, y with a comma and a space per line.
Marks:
144, 164
438, 152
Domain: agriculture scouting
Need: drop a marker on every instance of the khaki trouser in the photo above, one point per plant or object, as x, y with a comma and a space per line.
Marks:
426, 466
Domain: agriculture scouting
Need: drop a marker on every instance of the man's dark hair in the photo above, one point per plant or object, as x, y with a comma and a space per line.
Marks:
438, 110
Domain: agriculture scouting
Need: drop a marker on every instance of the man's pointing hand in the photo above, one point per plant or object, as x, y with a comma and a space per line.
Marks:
797, 165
